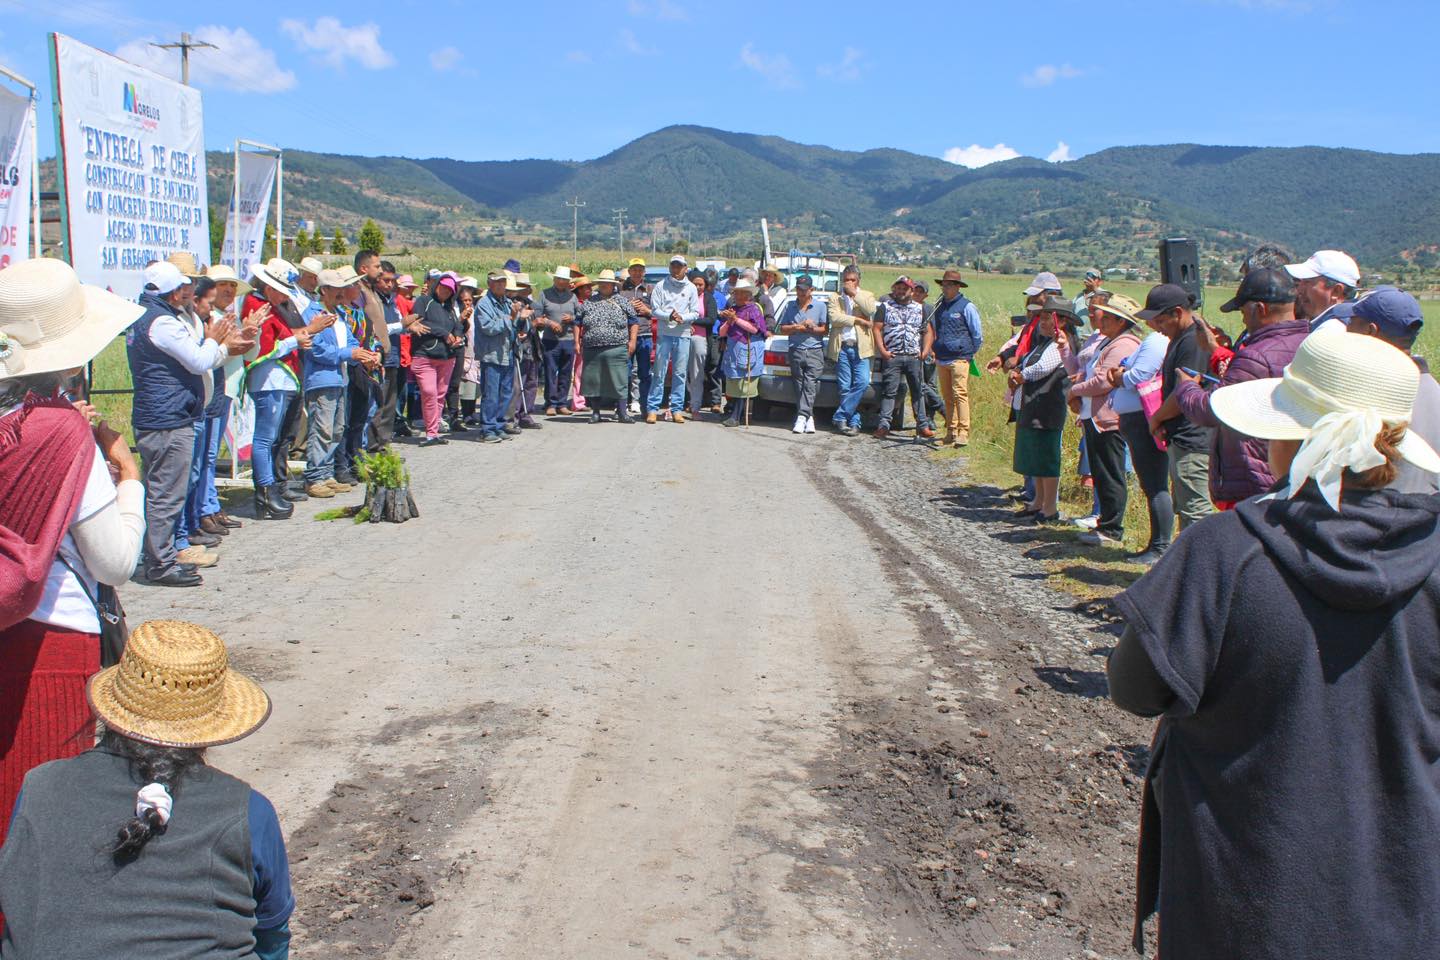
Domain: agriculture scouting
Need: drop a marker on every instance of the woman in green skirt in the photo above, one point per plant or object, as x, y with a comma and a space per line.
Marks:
605, 328
1039, 382
744, 329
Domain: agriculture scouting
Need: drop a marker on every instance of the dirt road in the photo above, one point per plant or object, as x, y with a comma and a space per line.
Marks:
669, 692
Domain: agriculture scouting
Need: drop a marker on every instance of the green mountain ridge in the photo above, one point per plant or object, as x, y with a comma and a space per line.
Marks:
1107, 208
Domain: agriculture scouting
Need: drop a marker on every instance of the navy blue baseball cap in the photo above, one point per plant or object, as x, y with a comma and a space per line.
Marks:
1394, 313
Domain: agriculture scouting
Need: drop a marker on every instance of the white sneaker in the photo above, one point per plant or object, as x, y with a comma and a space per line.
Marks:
634, 409
1094, 538
1087, 523
799, 425
809, 424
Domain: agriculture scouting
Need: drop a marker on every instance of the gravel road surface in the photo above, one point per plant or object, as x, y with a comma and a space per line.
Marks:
680, 691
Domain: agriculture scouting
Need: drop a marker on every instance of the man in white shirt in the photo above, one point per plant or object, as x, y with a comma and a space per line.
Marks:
676, 306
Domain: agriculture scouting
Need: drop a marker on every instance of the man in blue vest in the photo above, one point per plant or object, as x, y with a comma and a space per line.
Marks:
170, 367
955, 339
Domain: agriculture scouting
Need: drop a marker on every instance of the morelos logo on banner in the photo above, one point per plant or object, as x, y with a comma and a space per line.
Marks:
17, 158
132, 154
245, 231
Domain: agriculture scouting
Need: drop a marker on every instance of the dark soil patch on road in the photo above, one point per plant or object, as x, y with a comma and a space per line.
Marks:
376, 854
999, 801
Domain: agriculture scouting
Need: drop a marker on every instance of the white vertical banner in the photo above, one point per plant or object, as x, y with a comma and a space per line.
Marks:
249, 210
132, 155
17, 163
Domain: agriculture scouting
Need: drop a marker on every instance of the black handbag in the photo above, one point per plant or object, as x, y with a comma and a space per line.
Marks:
114, 633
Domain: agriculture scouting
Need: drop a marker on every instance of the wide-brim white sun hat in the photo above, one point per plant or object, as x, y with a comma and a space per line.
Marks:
1333, 372
50, 321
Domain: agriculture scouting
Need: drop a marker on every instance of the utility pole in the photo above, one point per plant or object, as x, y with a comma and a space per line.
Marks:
185, 45
575, 206
620, 217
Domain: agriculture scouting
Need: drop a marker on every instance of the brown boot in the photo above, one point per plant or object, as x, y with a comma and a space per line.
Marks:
212, 525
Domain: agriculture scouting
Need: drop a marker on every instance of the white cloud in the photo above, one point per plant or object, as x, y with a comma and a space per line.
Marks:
339, 43
633, 46
446, 58
975, 155
659, 10
1060, 154
578, 56
1048, 73
778, 70
851, 63
240, 63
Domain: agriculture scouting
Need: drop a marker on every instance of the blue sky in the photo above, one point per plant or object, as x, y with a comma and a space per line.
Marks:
972, 81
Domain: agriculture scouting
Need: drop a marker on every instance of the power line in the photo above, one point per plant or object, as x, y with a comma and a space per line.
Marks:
575, 206
620, 216
185, 45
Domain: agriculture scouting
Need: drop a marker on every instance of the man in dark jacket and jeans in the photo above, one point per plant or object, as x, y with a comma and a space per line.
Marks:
1239, 465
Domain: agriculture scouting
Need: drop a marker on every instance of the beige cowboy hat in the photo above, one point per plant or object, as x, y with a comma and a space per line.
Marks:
173, 687
578, 280
561, 273
523, 279
185, 260
743, 284
337, 278
311, 265
276, 272
512, 282
604, 276
223, 273
1121, 306
50, 321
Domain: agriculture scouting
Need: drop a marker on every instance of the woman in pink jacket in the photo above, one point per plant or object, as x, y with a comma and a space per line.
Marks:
1103, 440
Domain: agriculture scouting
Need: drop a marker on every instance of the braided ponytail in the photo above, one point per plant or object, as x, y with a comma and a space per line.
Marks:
163, 765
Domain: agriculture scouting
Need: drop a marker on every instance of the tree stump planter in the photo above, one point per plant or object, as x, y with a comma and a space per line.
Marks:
390, 504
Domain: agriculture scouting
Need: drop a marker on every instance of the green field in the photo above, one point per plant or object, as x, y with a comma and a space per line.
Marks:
985, 461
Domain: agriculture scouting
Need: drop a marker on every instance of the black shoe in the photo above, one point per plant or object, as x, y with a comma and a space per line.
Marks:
1148, 557
623, 416
203, 539
594, 416
294, 496
270, 504
402, 429
458, 426
526, 423
347, 477
434, 442
511, 429
176, 577
732, 422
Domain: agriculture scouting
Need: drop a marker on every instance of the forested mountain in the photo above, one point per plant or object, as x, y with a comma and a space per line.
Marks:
1107, 208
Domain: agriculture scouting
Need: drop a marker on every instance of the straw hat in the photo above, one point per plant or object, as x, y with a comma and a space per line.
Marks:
561, 273
580, 280
604, 276
185, 260
1121, 306
743, 284
523, 279
173, 687
512, 282
1333, 372
50, 321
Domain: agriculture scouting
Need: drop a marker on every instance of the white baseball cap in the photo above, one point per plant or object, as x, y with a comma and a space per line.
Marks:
165, 277
1330, 264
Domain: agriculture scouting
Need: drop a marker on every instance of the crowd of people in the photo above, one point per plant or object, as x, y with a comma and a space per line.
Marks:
1288, 643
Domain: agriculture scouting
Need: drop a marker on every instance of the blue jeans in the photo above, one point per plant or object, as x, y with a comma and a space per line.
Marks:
325, 416
673, 352
852, 376
497, 386
183, 524
640, 365
270, 407
202, 499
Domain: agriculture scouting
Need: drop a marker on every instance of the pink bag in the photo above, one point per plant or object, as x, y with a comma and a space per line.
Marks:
1150, 400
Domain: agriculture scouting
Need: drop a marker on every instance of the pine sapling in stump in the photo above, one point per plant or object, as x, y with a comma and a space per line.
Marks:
387, 488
